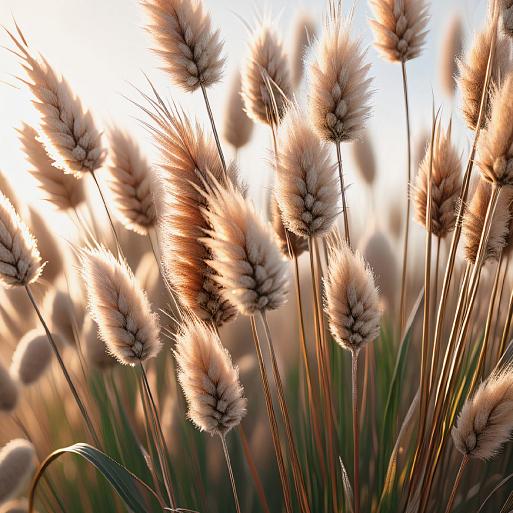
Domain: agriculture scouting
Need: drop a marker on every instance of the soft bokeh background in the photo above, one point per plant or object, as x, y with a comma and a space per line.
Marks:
102, 49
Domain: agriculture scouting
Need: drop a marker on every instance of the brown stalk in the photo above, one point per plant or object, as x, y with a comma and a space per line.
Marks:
253, 470
347, 234
230, 472
213, 124
296, 467
64, 370
486, 337
435, 293
304, 351
457, 482
356, 431
507, 328
408, 201
272, 420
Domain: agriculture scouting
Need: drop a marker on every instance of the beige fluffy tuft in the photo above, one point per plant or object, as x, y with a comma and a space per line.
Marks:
304, 36
472, 71
190, 49
70, 135
188, 158
473, 222
31, 358
62, 190
351, 298
120, 307
20, 262
452, 48
485, 422
495, 147
130, 183
288, 241
445, 184
306, 180
16, 467
8, 391
246, 258
400, 28
209, 380
266, 85
15, 506
339, 90
238, 127
365, 158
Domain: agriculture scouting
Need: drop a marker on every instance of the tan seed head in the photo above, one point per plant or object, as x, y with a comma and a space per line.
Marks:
31, 358
16, 467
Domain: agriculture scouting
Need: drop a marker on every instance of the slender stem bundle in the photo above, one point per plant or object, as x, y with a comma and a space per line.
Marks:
456, 485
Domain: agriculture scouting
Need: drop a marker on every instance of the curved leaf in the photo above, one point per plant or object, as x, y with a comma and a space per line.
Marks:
127, 485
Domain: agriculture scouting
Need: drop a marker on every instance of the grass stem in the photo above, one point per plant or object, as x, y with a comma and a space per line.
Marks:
345, 213
230, 472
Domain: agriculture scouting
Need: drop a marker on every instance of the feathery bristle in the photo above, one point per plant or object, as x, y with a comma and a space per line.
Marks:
130, 183
238, 127
472, 72
451, 51
266, 86
365, 158
351, 298
188, 159
339, 90
304, 36
290, 244
120, 307
495, 147
62, 190
306, 180
8, 391
485, 422
445, 184
473, 221
246, 258
70, 135
20, 262
506, 12
15, 506
31, 358
209, 380
190, 49
95, 350
16, 466
400, 28
7, 190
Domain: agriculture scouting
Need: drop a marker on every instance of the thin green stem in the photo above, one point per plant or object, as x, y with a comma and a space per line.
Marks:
64, 370
356, 432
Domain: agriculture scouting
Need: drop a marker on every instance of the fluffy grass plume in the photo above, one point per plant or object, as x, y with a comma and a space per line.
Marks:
351, 298
266, 85
472, 71
16, 466
485, 422
238, 127
246, 258
130, 183
31, 358
473, 222
188, 46
188, 158
209, 379
339, 89
61, 190
506, 10
69, 132
445, 171
452, 48
8, 391
120, 308
400, 28
365, 157
305, 31
20, 262
15, 506
306, 181
495, 148
290, 244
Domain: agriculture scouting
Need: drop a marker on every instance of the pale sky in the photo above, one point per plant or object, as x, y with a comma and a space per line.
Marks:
101, 48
